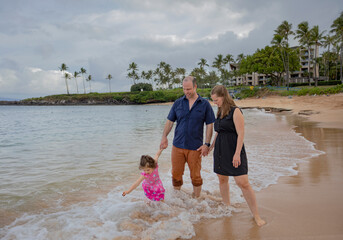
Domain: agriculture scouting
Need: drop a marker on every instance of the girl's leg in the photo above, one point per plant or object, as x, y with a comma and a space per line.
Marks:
224, 188
249, 195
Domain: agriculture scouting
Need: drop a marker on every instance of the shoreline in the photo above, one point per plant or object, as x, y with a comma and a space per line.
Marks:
307, 205
326, 110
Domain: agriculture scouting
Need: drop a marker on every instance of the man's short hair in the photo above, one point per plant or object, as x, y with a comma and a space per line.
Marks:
193, 79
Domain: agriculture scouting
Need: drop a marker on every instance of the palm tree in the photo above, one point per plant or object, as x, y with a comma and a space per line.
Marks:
133, 69
317, 38
109, 77
212, 78
89, 79
285, 30
66, 77
168, 75
337, 48
328, 41
218, 62
83, 71
180, 74
147, 75
228, 59
202, 63
64, 68
337, 28
76, 75
304, 34
164, 74
239, 58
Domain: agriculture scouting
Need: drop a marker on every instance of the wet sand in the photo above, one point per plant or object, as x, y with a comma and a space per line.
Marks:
326, 110
305, 206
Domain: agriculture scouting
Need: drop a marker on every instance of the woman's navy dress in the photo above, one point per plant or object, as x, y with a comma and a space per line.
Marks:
225, 148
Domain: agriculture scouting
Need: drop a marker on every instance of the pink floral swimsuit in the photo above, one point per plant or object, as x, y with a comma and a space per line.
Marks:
152, 185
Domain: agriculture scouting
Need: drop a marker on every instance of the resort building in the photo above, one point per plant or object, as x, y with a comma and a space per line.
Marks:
299, 76
247, 79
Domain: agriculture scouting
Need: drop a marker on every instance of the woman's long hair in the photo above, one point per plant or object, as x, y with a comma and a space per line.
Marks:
228, 102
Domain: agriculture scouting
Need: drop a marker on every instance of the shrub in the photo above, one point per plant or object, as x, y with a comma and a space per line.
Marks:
137, 87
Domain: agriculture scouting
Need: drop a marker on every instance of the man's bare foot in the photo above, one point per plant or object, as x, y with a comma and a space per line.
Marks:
193, 195
259, 221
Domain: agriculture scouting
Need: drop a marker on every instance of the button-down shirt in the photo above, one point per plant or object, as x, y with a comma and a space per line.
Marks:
189, 129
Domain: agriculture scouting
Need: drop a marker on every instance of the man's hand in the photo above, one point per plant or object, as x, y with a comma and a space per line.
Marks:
204, 150
164, 143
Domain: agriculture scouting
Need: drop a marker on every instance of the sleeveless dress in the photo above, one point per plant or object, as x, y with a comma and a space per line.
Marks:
152, 186
225, 147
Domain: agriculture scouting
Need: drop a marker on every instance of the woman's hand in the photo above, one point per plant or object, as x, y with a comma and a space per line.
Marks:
236, 162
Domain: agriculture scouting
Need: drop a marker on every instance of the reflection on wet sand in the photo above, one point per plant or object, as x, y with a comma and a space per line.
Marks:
304, 206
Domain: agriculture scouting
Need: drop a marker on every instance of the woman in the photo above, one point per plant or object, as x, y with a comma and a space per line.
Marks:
230, 158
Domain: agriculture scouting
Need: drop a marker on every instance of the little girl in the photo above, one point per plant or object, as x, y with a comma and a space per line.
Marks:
152, 183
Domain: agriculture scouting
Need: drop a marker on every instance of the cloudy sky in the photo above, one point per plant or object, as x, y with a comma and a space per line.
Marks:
104, 36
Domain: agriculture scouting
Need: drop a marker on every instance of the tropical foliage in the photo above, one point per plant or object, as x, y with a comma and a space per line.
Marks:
277, 62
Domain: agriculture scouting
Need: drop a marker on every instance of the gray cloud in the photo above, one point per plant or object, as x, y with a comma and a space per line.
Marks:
105, 36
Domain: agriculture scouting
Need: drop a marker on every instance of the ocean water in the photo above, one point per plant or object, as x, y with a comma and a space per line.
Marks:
63, 170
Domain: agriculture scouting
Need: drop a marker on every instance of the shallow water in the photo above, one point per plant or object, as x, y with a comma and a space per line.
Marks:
63, 169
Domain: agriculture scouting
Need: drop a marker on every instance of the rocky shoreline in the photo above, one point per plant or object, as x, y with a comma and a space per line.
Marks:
108, 102
70, 102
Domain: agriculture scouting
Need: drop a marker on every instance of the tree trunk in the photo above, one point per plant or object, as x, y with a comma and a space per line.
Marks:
287, 72
84, 88
77, 88
315, 67
67, 86
308, 65
341, 60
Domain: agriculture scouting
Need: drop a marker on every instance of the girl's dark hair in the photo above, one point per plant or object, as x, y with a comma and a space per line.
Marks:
147, 161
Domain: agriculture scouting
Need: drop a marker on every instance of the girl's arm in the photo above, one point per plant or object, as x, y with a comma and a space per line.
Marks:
135, 185
238, 120
158, 154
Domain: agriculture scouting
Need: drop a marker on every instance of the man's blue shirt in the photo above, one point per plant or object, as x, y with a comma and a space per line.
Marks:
189, 129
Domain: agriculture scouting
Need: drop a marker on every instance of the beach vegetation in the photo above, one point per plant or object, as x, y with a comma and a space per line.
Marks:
89, 79
141, 87
303, 33
337, 29
109, 77
83, 72
76, 75
63, 69
276, 64
170, 95
269, 61
280, 40
133, 72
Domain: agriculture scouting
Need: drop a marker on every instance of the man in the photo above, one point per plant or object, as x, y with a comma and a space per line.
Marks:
190, 113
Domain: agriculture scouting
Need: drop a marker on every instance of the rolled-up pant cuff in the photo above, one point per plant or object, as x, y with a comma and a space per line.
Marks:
197, 183
177, 183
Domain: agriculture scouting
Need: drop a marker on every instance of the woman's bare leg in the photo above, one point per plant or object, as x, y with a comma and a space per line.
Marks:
224, 188
249, 195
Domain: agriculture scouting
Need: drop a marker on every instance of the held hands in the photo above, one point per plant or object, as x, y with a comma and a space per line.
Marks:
211, 148
204, 150
236, 162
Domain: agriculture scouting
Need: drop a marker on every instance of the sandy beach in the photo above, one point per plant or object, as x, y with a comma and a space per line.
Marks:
309, 204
